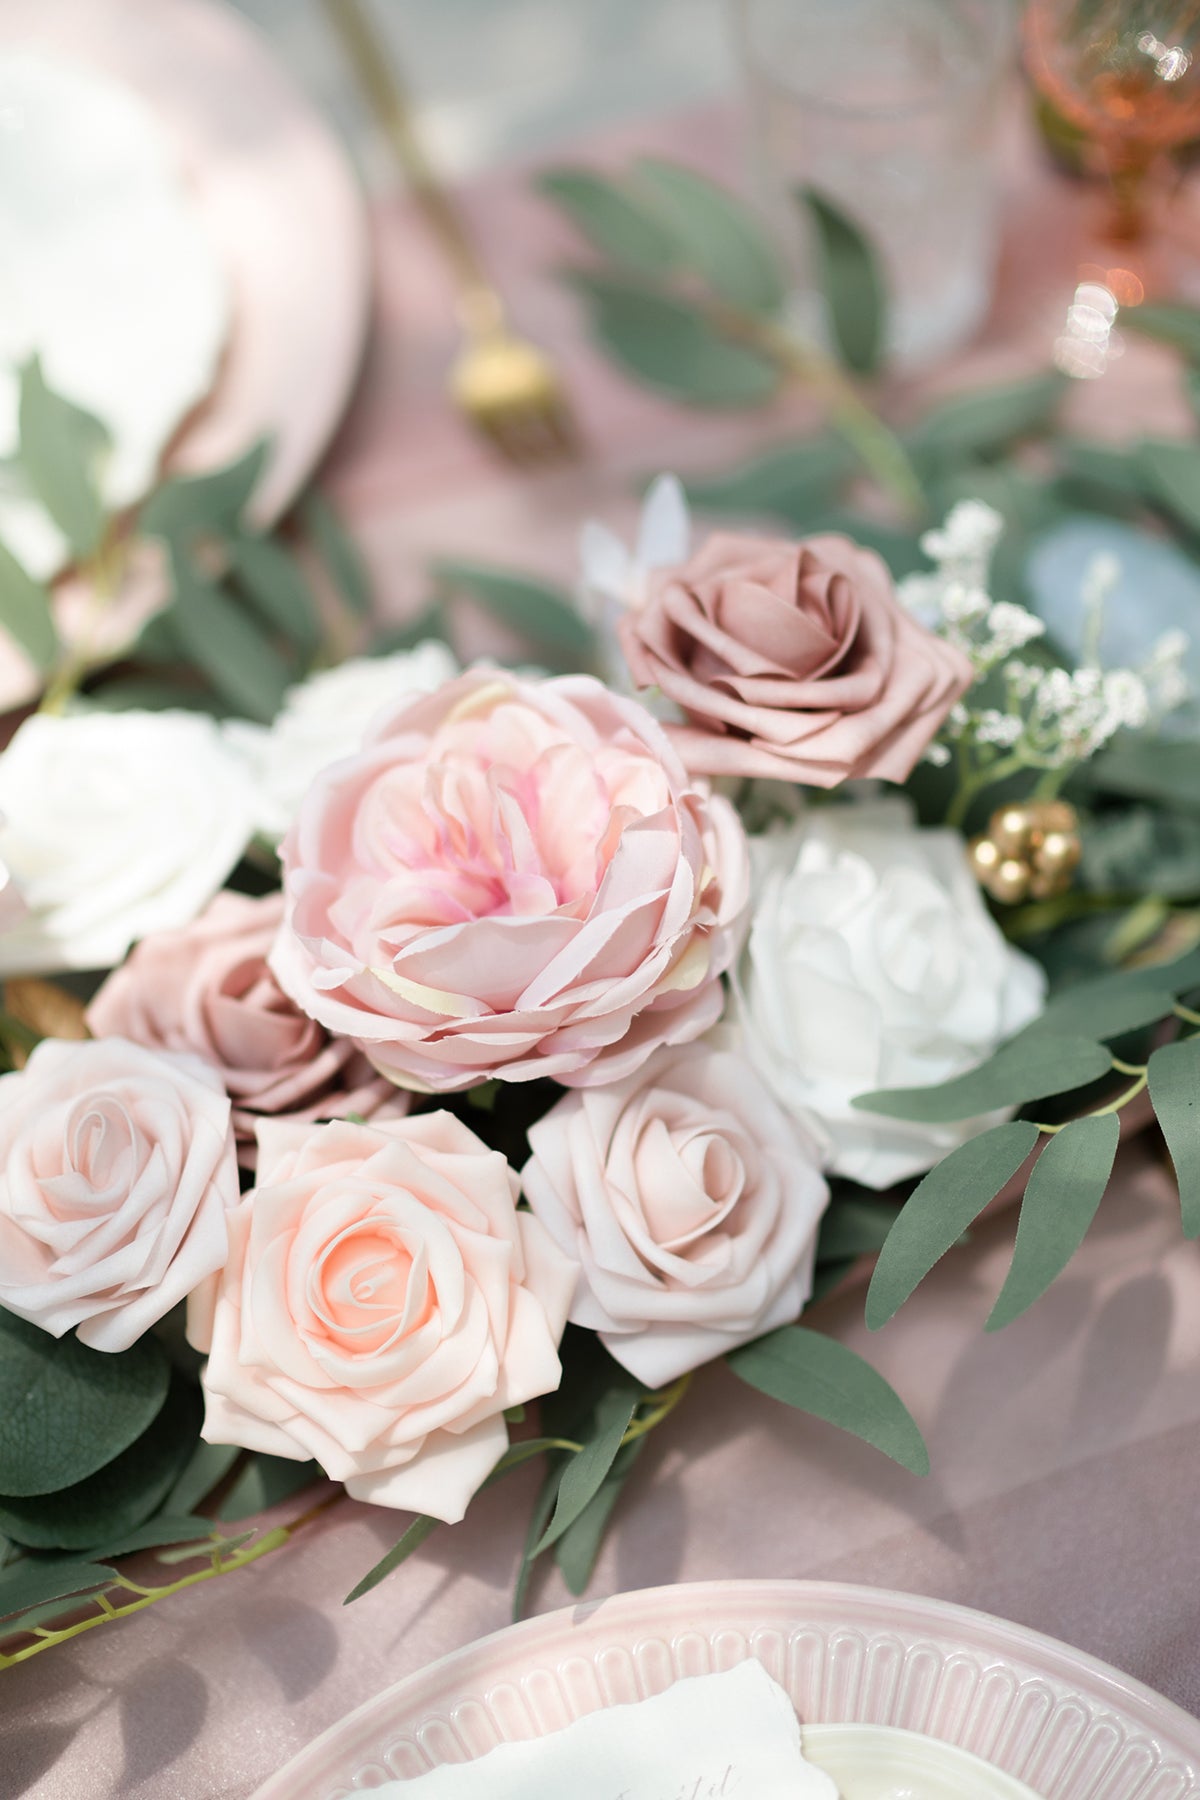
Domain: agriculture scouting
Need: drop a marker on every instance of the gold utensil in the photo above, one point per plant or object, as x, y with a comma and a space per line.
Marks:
505, 385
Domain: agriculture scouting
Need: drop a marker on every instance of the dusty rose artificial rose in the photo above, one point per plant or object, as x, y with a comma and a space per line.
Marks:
793, 661
691, 1203
207, 990
383, 1303
117, 1173
512, 878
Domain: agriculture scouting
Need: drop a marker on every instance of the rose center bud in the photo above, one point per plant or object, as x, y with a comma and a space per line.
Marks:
918, 944
688, 1181
367, 1286
251, 1024
105, 1149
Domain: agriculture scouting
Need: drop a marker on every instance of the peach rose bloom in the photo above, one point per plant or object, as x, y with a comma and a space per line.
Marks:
383, 1303
206, 990
792, 661
690, 1201
117, 1173
512, 878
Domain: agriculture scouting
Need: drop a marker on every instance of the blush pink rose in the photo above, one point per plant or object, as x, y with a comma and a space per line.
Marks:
117, 1173
383, 1303
513, 878
792, 661
207, 990
690, 1201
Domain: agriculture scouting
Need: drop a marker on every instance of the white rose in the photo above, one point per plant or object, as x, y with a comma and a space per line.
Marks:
872, 962
115, 825
325, 718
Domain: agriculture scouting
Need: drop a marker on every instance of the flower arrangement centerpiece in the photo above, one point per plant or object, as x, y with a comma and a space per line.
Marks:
444, 1067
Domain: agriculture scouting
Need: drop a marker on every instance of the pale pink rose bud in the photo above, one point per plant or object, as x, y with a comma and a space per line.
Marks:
691, 1203
117, 1173
792, 660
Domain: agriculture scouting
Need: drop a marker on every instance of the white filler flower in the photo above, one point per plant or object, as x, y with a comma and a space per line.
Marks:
325, 718
872, 962
115, 825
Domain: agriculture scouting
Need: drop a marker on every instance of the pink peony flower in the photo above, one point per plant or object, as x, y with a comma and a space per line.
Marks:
796, 661
383, 1303
207, 990
512, 878
690, 1201
117, 1170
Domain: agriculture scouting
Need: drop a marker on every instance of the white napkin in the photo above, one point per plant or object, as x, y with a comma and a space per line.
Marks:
713, 1737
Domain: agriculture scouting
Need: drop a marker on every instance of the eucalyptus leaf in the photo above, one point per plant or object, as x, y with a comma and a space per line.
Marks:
223, 641
163, 1529
1017, 1073
117, 1498
1164, 771
854, 1225
543, 1506
189, 503
34, 1580
207, 1465
720, 236
671, 345
1172, 473
818, 1375
1174, 1076
1065, 1187
787, 481
25, 612
985, 420
613, 219
275, 586
1104, 1007
1141, 849
1177, 325
61, 449
1101, 472
66, 1410
851, 280
535, 612
939, 1210
400, 1551
585, 1472
339, 553
578, 1547
264, 1482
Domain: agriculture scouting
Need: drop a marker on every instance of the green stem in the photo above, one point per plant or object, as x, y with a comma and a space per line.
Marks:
665, 1403
1113, 1106
104, 570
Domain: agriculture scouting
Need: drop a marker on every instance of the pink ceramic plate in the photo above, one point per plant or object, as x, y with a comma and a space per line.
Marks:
282, 208
1067, 1725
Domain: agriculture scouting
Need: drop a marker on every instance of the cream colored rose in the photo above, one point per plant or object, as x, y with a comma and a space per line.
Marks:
117, 1172
383, 1303
690, 1201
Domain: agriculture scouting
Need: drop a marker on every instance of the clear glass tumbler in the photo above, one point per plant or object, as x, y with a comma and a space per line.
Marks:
888, 108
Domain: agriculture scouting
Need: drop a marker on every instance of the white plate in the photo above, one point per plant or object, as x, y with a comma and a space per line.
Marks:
878, 1762
1067, 1726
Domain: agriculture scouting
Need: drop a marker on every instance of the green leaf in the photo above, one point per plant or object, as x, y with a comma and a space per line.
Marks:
579, 1545
1104, 1007
953, 1194
66, 1410
1174, 1073
854, 1225
431, 623
612, 219
1176, 325
222, 640
1015, 1074
542, 1508
274, 584
1063, 1192
986, 419
670, 345
35, 1580
166, 1528
400, 1551
852, 282
25, 612
787, 481
818, 1375
61, 447
535, 612
118, 1497
1172, 474
720, 236
1104, 473
1141, 850
190, 503
264, 1482
338, 552
584, 1473
1167, 771
146, 693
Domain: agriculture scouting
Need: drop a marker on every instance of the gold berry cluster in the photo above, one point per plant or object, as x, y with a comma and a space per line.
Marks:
1028, 852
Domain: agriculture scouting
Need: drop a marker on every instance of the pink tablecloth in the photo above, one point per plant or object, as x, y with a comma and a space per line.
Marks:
1065, 1449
